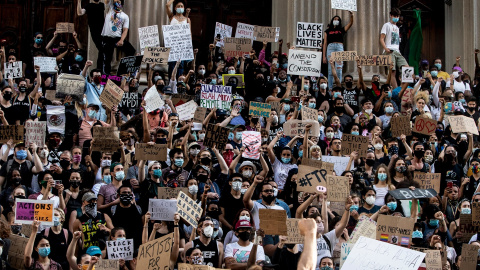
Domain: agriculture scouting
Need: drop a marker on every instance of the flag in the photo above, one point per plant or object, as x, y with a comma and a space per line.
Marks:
384, 237
416, 42
56, 119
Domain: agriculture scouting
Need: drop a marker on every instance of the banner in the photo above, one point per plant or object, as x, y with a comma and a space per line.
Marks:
169, 193
148, 37
251, 141
428, 180
309, 35
162, 209
70, 85
12, 132
375, 60
12, 70
153, 100
400, 125
35, 132
351, 143
64, 27
293, 232
257, 109
340, 163
120, 249
216, 136
297, 127
46, 64
308, 178
408, 194
266, 33
273, 222
222, 31
187, 110
304, 63
461, 124
56, 119
407, 74
129, 65
338, 188
179, 39
237, 46
144, 151
154, 255
111, 95
345, 4
216, 96
244, 30
188, 209
156, 55
26, 211
343, 56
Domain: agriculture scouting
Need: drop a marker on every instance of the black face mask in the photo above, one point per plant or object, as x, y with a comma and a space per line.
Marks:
393, 150
161, 141
7, 96
269, 199
202, 178
133, 88
349, 84
370, 162
64, 163
244, 236
449, 157
74, 184
290, 246
22, 89
472, 109
377, 84
339, 109
205, 161
16, 228
160, 87
16, 181
419, 153
214, 214
463, 146
126, 199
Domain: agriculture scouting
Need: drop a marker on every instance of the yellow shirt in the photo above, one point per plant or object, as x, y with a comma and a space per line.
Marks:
443, 74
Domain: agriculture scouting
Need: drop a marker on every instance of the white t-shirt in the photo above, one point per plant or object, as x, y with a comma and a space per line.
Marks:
380, 197
392, 36
109, 26
241, 254
254, 211
461, 86
322, 246
280, 172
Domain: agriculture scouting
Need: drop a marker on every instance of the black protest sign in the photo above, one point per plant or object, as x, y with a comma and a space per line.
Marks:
129, 65
408, 194
130, 100
216, 136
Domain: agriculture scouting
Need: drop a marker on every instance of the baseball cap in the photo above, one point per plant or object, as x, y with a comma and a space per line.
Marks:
94, 250
239, 126
112, 166
20, 144
89, 196
424, 62
243, 224
457, 68
167, 90
96, 106
216, 224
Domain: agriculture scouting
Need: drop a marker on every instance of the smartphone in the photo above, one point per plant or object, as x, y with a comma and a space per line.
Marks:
449, 184
295, 99
58, 182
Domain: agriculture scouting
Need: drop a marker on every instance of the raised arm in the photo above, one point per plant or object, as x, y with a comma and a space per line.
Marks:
27, 258
304, 206
271, 154
350, 23
265, 168
221, 161
80, 10
247, 197
308, 258
72, 260
235, 161
360, 83
168, 10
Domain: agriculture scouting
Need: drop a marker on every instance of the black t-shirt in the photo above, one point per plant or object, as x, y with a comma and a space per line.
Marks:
59, 246
335, 35
231, 206
11, 114
130, 224
96, 16
23, 108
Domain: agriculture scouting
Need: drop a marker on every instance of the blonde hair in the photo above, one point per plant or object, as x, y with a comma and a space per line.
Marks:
315, 147
422, 95
62, 214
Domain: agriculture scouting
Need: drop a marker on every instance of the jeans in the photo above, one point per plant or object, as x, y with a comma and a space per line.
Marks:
334, 47
106, 55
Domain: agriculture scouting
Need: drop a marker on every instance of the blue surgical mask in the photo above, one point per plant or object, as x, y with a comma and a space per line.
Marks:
354, 208
306, 87
395, 20
21, 154
312, 105
121, 238
300, 153
92, 114
38, 41
439, 66
238, 136
417, 234
107, 179
56, 221
284, 66
157, 173
320, 119
355, 133
231, 136
388, 109
326, 267
434, 73
461, 100
336, 95
179, 162
466, 211
179, 10
79, 58
120, 175
389, 94
382, 176
277, 65
433, 222
214, 81
392, 205
286, 107
285, 160
44, 251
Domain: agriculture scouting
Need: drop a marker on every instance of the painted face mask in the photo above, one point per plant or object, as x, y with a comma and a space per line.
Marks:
193, 189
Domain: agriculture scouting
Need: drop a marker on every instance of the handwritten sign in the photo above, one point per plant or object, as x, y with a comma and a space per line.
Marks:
187, 110
308, 178
258, 109
120, 249
293, 232
352, 143
188, 209
237, 46
375, 60
407, 194
407, 74
476, 214
114, 78
17, 250
461, 124
12, 70
266, 33
304, 63
236, 79
162, 209
154, 255
428, 180
395, 230
244, 30
216, 136
345, 4
46, 64
144, 151
365, 227
338, 188
309, 35
309, 113
343, 56
29, 210
344, 251
153, 100
327, 166
469, 257
148, 37
467, 228
111, 95
106, 139
170, 193
340, 163
216, 96
11, 132
156, 55
129, 65
64, 27
70, 85
35, 132
297, 127
179, 39
130, 100
199, 115
400, 125
433, 259
251, 141
273, 222
222, 31
424, 125
105, 264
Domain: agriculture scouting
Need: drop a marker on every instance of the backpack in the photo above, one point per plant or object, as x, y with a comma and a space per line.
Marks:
65, 232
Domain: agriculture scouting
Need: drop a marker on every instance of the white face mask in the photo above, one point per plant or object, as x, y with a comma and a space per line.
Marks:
105, 162
237, 186
336, 23
243, 190
323, 85
378, 146
201, 136
370, 200
194, 152
244, 218
275, 192
275, 119
455, 74
247, 174
231, 71
44, 153
368, 111
201, 72
193, 189
329, 135
208, 231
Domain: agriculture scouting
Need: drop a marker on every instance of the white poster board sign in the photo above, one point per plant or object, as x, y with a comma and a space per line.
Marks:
46, 64
407, 74
12, 70
162, 209
179, 39
244, 30
304, 63
345, 4
120, 249
148, 37
153, 100
340, 163
186, 111
309, 35
222, 31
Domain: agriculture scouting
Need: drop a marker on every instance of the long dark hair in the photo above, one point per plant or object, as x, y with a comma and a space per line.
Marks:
330, 25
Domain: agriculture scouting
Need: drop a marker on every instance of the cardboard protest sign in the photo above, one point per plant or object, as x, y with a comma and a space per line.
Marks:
200, 114
50, 95
266, 33
340, 163
258, 109
156, 55
162, 209
366, 227
153, 100
237, 46
179, 39
304, 63
461, 124
56, 119
216, 136
188, 209
309, 35
26, 229
244, 30
476, 214
11, 132
400, 125
343, 56
338, 188
216, 96
120, 249
407, 74
64, 27
46, 64
252, 141
351, 143
238, 79
433, 259
185, 266
105, 264
111, 95
29, 210
129, 65
428, 180
105, 139
367, 252
70, 85
148, 37
308, 178
345, 4
424, 125
12, 70
277, 106
154, 255
222, 31
35, 132
309, 113
318, 164
297, 127
395, 230
407, 194
375, 60
16, 251
344, 251
469, 257
144, 151
273, 222
187, 110
293, 233
169, 193
467, 228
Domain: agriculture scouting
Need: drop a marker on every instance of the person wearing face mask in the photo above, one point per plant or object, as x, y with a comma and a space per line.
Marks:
59, 238
472, 109
107, 195
45, 180
179, 15
177, 160
458, 84
72, 199
10, 113
284, 164
382, 184
434, 222
417, 163
368, 207
212, 250
42, 247
94, 88
237, 254
24, 103
248, 170
389, 109
237, 139
91, 119
273, 124
322, 94
447, 165
350, 92
340, 109
194, 256
232, 202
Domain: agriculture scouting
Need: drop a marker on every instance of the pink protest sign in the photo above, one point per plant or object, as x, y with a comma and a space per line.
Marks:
252, 141
28, 210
